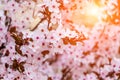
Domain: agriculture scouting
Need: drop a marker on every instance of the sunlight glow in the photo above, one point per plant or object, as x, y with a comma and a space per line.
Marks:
93, 10
89, 16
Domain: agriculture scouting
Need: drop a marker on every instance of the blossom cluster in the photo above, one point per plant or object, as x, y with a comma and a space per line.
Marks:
43, 40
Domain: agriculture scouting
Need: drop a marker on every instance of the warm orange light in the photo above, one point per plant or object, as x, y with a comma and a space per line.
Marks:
89, 16
93, 10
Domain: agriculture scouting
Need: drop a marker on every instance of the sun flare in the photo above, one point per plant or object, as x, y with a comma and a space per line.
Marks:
93, 10
89, 16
